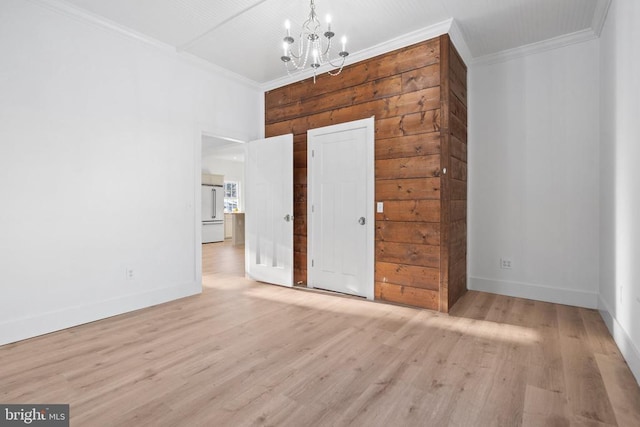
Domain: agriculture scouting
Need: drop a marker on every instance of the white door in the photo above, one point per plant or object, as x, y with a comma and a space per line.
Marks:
269, 210
340, 208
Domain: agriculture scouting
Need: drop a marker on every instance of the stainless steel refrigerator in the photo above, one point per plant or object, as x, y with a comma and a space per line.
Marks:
212, 213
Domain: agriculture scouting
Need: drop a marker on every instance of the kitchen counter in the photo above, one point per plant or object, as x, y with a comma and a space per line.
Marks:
238, 228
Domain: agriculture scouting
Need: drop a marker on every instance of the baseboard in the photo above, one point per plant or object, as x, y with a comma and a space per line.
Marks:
535, 292
29, 327
628, 349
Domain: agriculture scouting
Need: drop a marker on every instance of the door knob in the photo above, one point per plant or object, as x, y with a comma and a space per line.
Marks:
288, 217
362, 221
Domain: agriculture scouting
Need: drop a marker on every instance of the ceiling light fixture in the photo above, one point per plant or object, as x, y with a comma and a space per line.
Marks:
312, 42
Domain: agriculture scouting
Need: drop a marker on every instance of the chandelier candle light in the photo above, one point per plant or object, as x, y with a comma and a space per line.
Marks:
310, 42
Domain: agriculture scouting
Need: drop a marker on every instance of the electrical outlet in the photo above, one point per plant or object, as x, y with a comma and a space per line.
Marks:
130, 274
380, 207
505, 263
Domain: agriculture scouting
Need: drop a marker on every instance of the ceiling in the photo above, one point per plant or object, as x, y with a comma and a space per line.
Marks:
245, 36
222, 148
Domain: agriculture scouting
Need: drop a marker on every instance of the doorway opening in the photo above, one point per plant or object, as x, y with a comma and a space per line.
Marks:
222, 171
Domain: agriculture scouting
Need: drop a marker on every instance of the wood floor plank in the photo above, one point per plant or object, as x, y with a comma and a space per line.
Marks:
585, 390
621, 388
544, 408
244, 353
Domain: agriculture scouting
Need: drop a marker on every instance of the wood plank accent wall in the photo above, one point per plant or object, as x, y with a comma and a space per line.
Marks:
453, 159
417, 133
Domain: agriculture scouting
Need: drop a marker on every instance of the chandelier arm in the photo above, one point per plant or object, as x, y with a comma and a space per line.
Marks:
315, 42
326, 51
340, 65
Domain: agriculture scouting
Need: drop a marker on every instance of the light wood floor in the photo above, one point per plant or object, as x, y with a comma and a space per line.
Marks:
245, 353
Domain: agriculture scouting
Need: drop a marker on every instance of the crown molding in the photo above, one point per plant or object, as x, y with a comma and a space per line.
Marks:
87, 17
538, 47
600, 16
460, 43
390, 45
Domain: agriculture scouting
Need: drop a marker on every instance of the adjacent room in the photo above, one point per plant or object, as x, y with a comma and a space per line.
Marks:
319, 212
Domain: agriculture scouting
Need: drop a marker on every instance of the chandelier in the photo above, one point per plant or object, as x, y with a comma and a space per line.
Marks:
313, 46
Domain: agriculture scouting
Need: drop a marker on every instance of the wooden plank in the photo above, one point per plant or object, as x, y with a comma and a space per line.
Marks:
618, 381
299, 208
408, 254
582, 377
421, 78
457, 74
457, 108
408, 146
300, 159
458, 149
458, 129
599, 336
408, 275
544, 408
409, 124
458, 189
410, 210
456, 64
299, 193
406, 295
299, 243
299, 260
300, 226
300, 176
458, 169
407, 189
299, 276
281, 128
421, 233
409, 167
457, 240
371, 90
459, 91
458, 210
275, 97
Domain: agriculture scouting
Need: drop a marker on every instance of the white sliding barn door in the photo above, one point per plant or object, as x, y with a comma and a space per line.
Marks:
341, 208
269, 210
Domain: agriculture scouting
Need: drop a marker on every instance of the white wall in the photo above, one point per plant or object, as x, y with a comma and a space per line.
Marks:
533, 176
620, 178
83, 200
232, 171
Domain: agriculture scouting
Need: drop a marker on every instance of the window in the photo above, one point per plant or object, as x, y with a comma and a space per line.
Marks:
231, 199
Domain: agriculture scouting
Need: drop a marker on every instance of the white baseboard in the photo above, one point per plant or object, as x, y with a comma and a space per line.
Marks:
29, 327
535, 292
628, 349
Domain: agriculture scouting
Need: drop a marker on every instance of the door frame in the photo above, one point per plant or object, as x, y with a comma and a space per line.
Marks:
369, 125
201, 130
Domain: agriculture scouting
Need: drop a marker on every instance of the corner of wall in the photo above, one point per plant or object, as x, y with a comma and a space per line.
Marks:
629, 351
578, 298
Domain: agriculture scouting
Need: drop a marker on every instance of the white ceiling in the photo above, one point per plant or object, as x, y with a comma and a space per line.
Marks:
245, 36
222, 148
